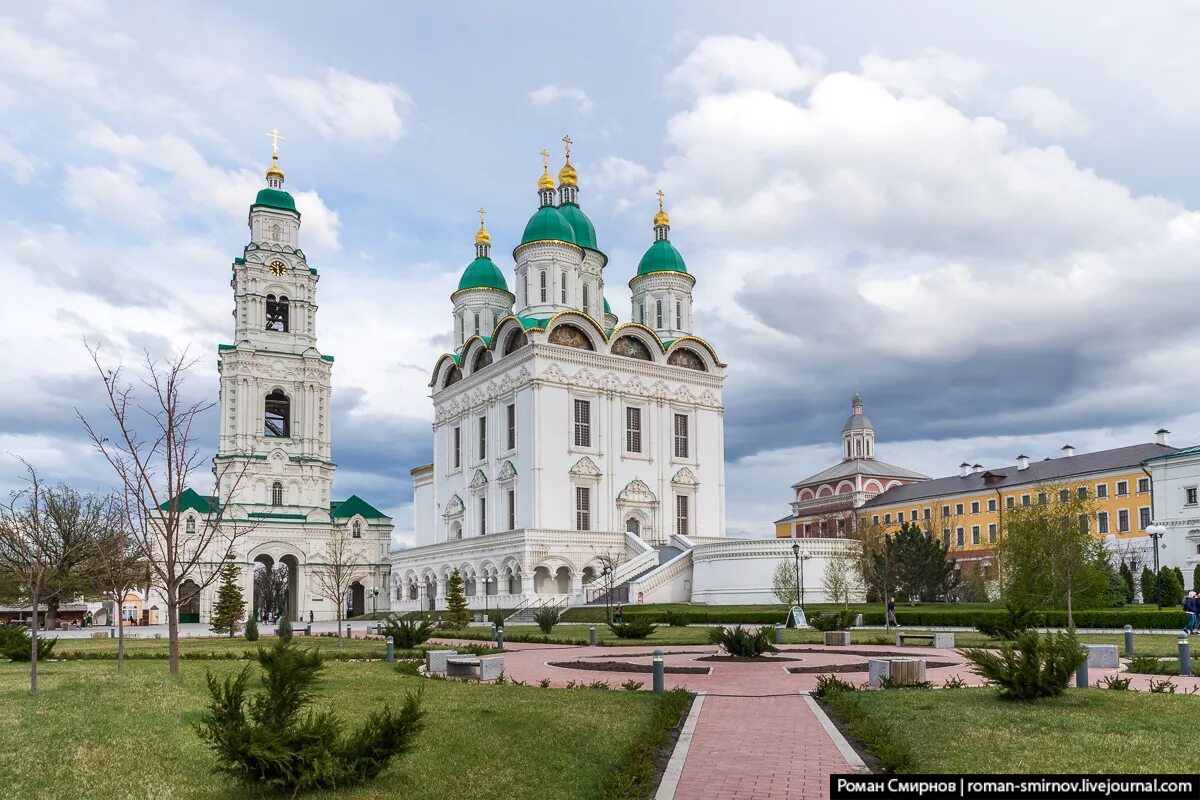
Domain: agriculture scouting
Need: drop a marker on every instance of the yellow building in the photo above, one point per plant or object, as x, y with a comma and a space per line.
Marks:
967, 510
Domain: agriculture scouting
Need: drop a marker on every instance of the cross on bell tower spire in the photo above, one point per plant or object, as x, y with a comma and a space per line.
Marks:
274, 173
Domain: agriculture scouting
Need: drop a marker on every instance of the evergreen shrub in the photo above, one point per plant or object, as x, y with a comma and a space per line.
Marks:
15, 644
251, 631
284, 629
407, 633
547, 617
1032, 666
742, 642
636, 628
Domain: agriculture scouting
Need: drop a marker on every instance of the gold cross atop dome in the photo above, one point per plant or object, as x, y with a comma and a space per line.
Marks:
661, 219
482, 236
274, 171
545, 182
567, 175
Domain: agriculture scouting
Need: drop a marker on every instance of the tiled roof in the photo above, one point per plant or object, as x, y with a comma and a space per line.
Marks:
867, 467
1052, 469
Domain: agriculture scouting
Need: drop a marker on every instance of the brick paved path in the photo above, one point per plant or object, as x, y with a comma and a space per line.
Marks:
767, 748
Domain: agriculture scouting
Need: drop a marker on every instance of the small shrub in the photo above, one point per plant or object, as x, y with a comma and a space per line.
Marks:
284, 629
886, 682
636, 628
544, 683
573, 685
1165, 686
1031, 667
954, 682
547, 617
500, 679
1152, 665
1114, 682
598, 685
408, 668
519, 683
1015, 620
739, 641
676, 619
833, 621
831, 684
407, 633
251, 629
15, 644
632, 685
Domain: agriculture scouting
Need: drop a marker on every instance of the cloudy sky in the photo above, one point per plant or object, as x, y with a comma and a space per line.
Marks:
980, 216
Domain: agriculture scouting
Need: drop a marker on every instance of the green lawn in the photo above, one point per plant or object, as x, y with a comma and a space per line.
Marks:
238, 646
1085, 731
94, 733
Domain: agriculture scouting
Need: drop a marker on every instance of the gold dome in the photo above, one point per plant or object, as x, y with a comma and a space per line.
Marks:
274, 171
545, 182
482, 236
567, 175
661, 219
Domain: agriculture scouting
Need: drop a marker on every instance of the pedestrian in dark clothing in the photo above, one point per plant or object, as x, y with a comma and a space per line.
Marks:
617, 613
891, 612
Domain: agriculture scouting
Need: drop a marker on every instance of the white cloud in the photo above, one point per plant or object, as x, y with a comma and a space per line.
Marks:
346, 107
44, 62
618, 173
1044, 111
551, 93
20, 165
115, 195
733, 63
934, 73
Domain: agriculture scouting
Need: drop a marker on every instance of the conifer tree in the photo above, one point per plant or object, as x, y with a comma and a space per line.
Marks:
251, 632
284, 630
1147, 581
1182, 582
457, 615
1196, 579
230, 605
1127, 582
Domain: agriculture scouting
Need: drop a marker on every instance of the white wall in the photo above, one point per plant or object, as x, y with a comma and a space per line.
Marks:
740, 571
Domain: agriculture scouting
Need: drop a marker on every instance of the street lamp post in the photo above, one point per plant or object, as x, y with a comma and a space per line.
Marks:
374, 594
799, 587
486, 580
607, 594
1156, 532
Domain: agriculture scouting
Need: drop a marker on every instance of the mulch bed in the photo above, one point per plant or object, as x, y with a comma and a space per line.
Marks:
625, 666
751, 659
859, 667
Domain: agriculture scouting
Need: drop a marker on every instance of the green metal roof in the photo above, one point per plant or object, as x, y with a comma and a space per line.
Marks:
275, 198
547, 224
239, 261
327, 358
661, 257
1185, 452
532, 322
191, 500
482, 273
585, 232
607, 307
354, 505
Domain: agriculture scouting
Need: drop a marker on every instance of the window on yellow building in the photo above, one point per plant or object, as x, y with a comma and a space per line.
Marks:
974, 506
1082, 492
1064, 495
945, 537
1101, 490
929, 511
1083, 523
960, 536
913, 515
1122, 488
992, 533
1043, 498
1143, 485
1123, 521
1010, 501
1025, 500
1143, 518
992, 504
975, 534
875, 519
958, 509
1102, 522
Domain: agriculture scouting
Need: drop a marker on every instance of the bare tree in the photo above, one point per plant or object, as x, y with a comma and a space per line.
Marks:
270, 585
343, 565
46, 536
154, 469
609, 562
119, 567
839, 578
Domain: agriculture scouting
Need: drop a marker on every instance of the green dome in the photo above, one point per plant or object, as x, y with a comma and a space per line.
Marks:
607, 307
547, 224
585, 233
275, 198
661, 257
482, 273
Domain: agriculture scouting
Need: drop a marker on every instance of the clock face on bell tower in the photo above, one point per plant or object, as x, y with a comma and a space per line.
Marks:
278, 268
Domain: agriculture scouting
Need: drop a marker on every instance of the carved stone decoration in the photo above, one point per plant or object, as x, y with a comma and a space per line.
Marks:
570, 336
636, 492
635, 386
688, 359
660, 390
584, 377
508, 471
454, 506
479, 480
631, 347
708, 398
610, 382
585, 468
553, 374
684, 395
685, 477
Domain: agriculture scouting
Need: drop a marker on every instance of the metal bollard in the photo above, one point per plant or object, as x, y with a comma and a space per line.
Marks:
660, 678
1081, 673
499, 638
308, 629
112, 633
1129, 641
778, 635
391, 650
1185, 656
349, 635
493, 631
592, 635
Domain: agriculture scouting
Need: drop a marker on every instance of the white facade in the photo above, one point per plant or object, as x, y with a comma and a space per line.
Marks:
741, 571
273, 463
1175, 479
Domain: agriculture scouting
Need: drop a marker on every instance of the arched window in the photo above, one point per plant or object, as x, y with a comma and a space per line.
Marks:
275, 232
586, 298
658, 313
278, 418
632, 525
458, 326
564, 288
542, 278
476, 323
277, 313
356, 530
276, 493
191, 526
858, 447
678, 315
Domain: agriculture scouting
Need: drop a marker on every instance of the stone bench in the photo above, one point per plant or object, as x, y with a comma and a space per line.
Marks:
899, 671
940, 640
485, 668
435, 660
1102, 656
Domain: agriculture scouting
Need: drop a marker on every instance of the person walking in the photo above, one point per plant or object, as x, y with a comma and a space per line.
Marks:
310, 616
891, 612
1189, 608
617, 613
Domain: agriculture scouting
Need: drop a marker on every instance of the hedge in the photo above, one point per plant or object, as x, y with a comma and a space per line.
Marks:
1084, 618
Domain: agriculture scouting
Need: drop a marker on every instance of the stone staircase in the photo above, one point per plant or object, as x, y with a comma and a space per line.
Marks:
620, 592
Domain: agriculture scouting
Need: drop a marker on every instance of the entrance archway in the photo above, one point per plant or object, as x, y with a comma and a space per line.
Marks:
291, 596
357, 600
189, 601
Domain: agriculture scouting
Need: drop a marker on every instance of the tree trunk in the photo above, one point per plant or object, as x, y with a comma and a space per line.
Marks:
1070, 617
173, 629
33, 641
340, 645
120, 640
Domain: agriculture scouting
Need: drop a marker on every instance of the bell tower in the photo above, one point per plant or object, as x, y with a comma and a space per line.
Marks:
275, 384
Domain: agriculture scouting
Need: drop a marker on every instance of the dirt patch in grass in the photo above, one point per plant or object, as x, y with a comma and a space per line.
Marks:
750, 659
861, 666
625, 666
